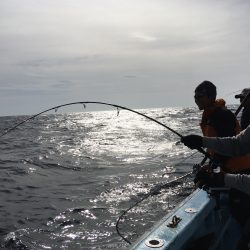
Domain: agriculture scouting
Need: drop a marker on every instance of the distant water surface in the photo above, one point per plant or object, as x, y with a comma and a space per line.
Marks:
66, 178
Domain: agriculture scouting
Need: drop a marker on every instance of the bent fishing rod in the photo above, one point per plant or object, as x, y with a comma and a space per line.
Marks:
101, 103
84, 103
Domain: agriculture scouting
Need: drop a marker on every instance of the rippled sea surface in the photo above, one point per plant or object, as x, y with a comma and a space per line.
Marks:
66, 178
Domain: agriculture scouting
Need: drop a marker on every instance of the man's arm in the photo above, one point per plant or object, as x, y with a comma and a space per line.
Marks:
230, 146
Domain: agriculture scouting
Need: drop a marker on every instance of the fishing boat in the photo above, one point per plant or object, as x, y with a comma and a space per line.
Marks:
202, 221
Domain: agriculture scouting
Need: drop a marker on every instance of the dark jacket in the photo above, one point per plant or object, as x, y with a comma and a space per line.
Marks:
245, 118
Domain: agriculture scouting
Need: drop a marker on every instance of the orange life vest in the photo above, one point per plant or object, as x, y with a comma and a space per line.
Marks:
234, 164
209, 130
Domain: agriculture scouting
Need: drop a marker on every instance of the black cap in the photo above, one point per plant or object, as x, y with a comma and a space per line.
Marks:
243, 93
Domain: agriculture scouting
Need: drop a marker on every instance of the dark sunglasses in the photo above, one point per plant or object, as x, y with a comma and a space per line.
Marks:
197, 96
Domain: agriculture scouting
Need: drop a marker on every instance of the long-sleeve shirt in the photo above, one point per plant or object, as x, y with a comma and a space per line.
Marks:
232, 146
238, 181
245, 117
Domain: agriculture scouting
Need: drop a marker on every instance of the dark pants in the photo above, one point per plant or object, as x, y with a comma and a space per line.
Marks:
240, 208
244, 242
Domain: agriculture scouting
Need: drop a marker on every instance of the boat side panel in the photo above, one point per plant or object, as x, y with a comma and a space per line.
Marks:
200, 217
191, 212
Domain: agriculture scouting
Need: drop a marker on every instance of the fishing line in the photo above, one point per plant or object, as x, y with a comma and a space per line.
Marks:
180, 162
234, 92
154, 191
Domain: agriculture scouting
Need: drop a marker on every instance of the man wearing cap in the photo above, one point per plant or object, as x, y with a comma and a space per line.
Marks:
245, 116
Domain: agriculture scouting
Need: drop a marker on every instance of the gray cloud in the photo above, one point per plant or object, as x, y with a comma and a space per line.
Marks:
60, 61
143, 53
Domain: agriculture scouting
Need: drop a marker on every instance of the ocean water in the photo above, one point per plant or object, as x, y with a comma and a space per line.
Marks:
66, 178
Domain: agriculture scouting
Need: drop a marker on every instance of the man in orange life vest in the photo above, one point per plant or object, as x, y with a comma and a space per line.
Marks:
217, 120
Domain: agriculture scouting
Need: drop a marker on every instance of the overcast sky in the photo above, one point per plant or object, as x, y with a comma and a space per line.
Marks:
136, 53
